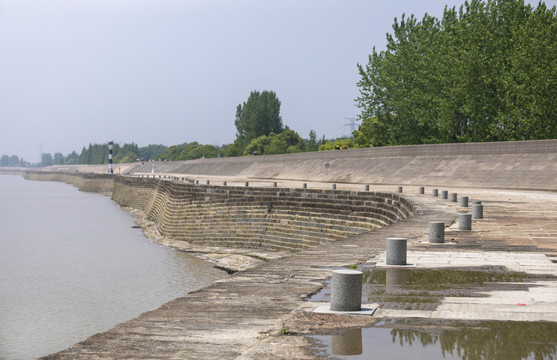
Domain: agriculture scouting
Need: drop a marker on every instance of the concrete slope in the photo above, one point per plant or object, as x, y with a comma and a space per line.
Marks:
512, 165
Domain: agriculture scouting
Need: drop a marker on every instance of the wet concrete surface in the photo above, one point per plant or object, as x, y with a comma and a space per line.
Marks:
427, 339
399, 288
499, 275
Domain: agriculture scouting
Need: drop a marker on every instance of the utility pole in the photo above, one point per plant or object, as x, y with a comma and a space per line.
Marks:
352, 124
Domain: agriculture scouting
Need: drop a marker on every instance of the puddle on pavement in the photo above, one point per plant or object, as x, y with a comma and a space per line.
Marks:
426, 339
423, 289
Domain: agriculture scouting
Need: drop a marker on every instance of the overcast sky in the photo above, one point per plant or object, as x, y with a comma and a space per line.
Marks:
74, 72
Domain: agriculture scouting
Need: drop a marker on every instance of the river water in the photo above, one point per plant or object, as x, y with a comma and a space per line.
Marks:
71, 265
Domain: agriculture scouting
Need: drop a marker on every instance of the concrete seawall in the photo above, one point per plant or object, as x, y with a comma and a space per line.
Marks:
88, 182
265, 218
512, 165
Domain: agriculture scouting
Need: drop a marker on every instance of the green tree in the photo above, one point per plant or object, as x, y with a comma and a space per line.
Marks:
46, 159
152, 152
487, 72
72, 158
14, 161
5, 160
312, 144
191, 151
332, 144
58, 159
234, 149
259, 115
286, 142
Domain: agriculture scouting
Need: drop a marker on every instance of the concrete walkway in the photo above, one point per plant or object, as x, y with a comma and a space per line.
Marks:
244, 315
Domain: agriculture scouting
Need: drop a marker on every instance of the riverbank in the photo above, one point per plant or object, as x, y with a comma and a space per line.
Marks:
230, 260
266, 311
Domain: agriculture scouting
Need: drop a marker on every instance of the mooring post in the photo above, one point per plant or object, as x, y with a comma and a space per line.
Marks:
452, 197
275, 184
247, 183
396, 251
444, 194
334, 186
477, 211
224, 183
208, 182
305, 185
400, 189
464, 201
366, 188
436, 232
346, 290
421, 190
435, 192
465, 222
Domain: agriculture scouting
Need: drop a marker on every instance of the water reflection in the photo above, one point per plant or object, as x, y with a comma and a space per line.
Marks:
488, 340
395, 280
347, 343
423, 289
419, 339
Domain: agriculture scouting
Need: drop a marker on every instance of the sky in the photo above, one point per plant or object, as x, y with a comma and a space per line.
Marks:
74, 72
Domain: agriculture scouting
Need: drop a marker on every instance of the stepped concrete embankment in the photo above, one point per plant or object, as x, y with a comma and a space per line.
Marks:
280, 219
512, 165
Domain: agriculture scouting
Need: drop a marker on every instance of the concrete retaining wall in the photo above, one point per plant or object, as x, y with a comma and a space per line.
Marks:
98, 183
266, 218
513, 165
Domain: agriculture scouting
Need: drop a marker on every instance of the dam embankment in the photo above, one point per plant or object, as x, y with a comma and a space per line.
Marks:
278, 219
528, 165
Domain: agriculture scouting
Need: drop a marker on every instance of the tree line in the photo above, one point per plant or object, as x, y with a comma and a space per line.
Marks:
487, 72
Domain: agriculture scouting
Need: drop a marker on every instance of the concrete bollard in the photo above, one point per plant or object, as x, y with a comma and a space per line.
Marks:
208, 182
464, 201
436, 232
334, 186
346, 290
453, 197
396, 251
247, 183
275, 184
305, 185
366, 187
477, 211
444, 194
465, 222
434, 192
421, 190
400, 189
196, 182
224, 183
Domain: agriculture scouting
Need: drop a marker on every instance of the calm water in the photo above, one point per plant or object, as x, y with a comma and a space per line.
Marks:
424, 339
71, 265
